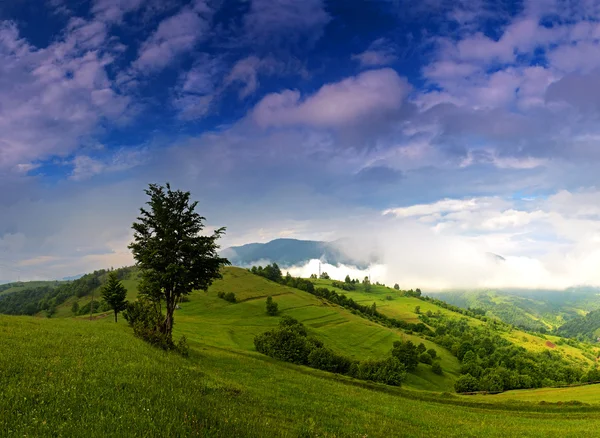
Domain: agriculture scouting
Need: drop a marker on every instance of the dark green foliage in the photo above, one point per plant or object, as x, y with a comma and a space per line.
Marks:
432, 353
397, 286
346, 285
582, 326
228, 296
421, 348
324, 276
389, 371
272, 306
325, 359
146, 319
75, 308
466, 383
183, 347
436, 368
425, 358
290, 342
593, 375
406, 352
418, 310
171, 250
114, 294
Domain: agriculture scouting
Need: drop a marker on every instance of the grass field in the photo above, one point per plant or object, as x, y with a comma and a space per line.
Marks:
586, 394
71, 377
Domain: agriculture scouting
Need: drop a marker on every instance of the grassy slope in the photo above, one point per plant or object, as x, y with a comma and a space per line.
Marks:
403, 307
71, 377
211, 320
585, 394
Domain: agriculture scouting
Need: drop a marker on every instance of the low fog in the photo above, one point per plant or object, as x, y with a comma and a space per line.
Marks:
434, 257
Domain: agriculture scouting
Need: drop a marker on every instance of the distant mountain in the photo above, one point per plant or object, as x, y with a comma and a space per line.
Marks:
72, 277
290, 252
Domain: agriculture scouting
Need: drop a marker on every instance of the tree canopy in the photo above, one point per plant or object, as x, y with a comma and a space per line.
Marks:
174, 256
114, 293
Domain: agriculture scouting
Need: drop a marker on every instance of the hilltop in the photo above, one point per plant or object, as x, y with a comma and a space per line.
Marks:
290, 252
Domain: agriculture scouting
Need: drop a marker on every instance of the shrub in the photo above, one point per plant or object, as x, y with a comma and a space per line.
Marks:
272, 307
183, 347
425, 358
326, 360
229, 296
466, 383
421, 348
406, 353
389, 371
432, 353
146, 319
437, 369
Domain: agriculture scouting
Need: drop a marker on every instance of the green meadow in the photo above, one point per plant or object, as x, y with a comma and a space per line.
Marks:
75, 377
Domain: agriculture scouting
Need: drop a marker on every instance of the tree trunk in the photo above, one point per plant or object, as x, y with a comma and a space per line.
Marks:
168, 325
115, 315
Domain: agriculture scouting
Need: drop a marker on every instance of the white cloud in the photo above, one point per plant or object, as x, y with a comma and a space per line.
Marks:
52, 98
175, 35
351, 100
380, 52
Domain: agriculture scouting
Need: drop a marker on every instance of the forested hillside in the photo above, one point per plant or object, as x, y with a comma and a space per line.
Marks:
34, 297
585, 328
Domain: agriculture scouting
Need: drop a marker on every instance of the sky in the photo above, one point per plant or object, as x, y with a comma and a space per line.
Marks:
438, 130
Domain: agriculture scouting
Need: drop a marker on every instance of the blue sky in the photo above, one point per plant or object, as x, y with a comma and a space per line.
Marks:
432, 128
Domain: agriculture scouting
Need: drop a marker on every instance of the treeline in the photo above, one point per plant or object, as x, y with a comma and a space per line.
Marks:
290, 342
47, 298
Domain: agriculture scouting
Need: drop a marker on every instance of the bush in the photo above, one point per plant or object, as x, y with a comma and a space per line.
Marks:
272, 307
425, 358
146, 319
389, 371
406, 353
437, 369
325, 359
432, 353
183, 347
466, 383
229, 296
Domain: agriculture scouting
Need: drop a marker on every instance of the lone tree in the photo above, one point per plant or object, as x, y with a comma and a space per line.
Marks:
173, 256
114, 294
272, 306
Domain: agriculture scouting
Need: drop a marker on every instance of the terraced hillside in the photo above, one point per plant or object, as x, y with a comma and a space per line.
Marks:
397, 305
212, 320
